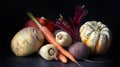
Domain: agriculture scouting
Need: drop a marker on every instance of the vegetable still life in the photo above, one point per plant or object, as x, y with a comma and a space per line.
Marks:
66, 40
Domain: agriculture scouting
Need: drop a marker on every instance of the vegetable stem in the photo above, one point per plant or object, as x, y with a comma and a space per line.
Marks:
33, 18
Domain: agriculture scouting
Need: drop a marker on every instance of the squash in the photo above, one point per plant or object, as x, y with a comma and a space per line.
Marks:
95, 35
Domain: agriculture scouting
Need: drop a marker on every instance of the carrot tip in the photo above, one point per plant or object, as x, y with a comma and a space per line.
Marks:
77, 63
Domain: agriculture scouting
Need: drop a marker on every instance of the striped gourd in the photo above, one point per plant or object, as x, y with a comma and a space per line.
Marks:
96, 35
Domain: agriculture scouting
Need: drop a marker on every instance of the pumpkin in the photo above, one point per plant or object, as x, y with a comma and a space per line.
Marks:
95, 35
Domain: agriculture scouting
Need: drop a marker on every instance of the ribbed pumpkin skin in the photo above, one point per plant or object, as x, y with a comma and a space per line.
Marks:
95, 35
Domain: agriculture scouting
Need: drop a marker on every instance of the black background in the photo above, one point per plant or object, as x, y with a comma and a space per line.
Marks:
13, 17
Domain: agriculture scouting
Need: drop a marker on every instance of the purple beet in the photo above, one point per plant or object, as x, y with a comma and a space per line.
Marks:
79, 50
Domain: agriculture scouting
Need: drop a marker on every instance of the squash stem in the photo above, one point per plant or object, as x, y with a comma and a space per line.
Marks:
34, 19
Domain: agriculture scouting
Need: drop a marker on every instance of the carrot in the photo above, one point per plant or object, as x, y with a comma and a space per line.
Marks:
62, 58
51, 39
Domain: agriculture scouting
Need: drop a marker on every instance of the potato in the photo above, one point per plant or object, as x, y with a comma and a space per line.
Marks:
27, 41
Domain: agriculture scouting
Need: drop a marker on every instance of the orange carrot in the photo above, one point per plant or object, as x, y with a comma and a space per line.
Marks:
62, 58
51, 39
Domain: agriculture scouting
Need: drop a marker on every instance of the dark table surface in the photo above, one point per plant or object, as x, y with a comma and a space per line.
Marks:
37, 61
13, 17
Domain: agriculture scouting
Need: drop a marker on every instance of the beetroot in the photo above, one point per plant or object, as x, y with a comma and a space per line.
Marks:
79, 50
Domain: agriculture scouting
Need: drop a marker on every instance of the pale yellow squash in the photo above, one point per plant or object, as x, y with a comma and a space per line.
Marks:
96, 35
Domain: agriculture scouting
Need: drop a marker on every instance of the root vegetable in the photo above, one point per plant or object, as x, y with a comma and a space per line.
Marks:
63, 38
71, 27
50, 38
62, 58
79, 50
27, 41
48, 52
